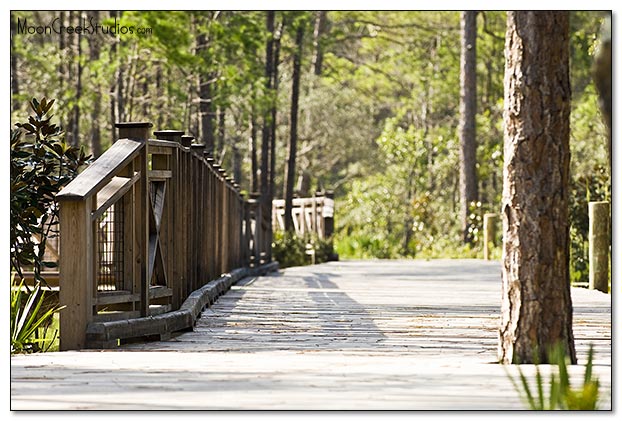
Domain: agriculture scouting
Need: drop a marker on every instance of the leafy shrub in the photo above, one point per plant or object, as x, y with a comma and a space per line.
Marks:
291, 250
41, 164
361, 245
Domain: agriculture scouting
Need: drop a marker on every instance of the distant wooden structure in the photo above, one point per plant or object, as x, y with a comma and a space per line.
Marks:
143, 228
310, 215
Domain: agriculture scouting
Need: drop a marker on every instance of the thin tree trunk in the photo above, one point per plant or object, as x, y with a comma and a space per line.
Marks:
113, 89
318, 31
237, 159
253, 146
221, 129
207, 113
275, 84
94, 52
468, 104
61, 51
159, 93
265, 135
536, 308
265, 190
76, 126
120, 92
290, 169
275, 87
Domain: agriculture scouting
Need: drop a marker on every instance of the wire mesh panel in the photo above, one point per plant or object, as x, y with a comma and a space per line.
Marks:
110, 249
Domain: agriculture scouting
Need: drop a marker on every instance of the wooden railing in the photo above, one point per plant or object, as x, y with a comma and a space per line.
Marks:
310, 215
143, 228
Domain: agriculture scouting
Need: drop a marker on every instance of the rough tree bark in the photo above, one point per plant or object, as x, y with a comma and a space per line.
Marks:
290, 169
468, 106
536, 305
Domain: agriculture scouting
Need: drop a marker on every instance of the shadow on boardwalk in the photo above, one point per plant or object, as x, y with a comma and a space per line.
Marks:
342, 335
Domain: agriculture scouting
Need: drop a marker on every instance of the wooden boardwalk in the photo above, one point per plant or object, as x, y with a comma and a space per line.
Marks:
354, 335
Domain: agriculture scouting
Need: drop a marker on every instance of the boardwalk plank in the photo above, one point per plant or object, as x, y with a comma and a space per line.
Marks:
342, 335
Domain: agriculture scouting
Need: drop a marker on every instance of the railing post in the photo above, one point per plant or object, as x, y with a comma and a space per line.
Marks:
255, 206
329, 213
599, 216
212, 229
198, 214
490, 231
76, 272
177, 282
140, 131
224, 220
187, 204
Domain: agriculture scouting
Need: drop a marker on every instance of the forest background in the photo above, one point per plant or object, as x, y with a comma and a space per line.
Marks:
377, 109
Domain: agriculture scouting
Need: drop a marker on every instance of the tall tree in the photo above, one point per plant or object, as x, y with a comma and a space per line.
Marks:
318, 32
265, 133
468, 104
206, 88
253, 145
290, 169
536, 305
94, 53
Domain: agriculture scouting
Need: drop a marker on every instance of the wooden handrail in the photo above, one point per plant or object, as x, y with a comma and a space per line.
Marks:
146, 224
100, 172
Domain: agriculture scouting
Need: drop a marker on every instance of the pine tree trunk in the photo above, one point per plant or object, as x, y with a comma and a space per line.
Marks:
265, 134
536, 306
318, 31
113, 89
221, 131
62, 63
253, 147
265, 188
94, 52
468, 105
290, 173
275, 85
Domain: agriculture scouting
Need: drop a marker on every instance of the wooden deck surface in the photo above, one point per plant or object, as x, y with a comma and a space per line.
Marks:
354, 335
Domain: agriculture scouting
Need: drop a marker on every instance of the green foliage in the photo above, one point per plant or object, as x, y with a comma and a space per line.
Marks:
291, 250
561, 395
590, 178
378, 125
29, 320
41, 164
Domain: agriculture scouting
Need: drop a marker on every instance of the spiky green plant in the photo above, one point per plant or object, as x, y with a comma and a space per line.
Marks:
28, 320
561, 395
